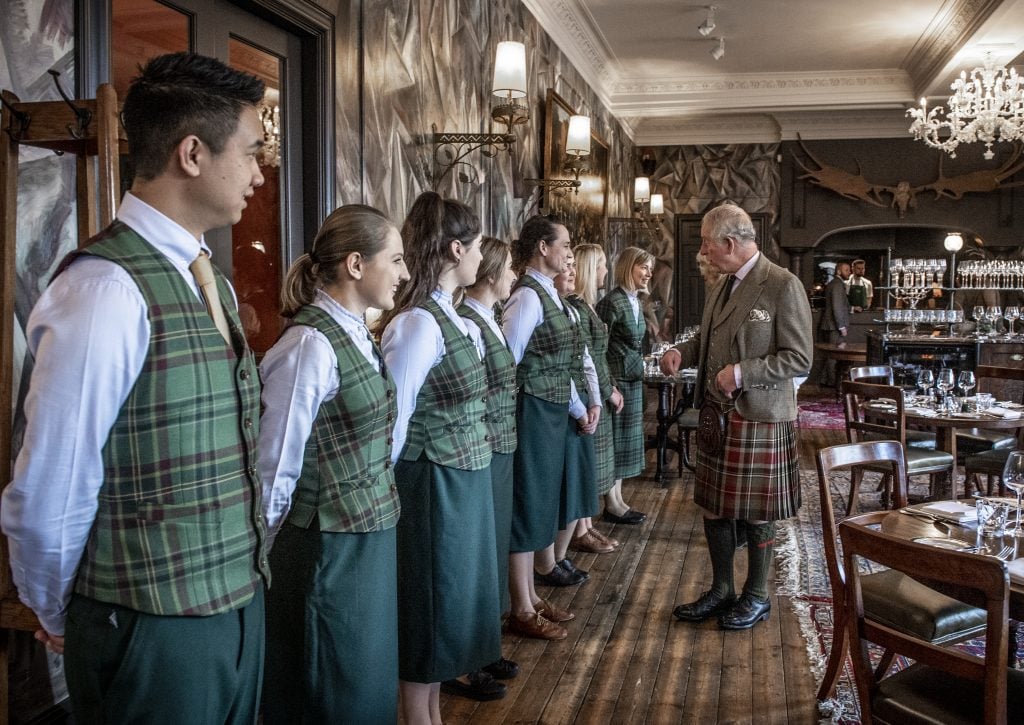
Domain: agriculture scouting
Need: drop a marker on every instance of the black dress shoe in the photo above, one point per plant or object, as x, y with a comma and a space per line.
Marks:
503, 669
481, 686
558, 577
630, 517
572, 569
748, 611
707, 605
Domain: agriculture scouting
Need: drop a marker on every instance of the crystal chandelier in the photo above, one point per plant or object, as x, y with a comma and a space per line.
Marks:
988, 106
270, 117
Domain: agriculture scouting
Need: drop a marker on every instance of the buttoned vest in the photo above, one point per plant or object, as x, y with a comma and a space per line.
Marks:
347, 483
719, 351
550, 359
448, 423
501, 385
597, 340
178, 528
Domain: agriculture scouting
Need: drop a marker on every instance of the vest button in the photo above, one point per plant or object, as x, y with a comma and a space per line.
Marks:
251, 470
387, 464
513, 429
391, 393
488, 438
484, 399
483, 418
394, 487
247, 422
244, 375
390, 417
390, 440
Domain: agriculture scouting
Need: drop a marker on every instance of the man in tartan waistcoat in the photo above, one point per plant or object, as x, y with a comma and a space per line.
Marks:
134, 517
755, 337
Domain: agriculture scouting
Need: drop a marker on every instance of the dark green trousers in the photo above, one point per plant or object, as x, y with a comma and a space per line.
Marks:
124, 666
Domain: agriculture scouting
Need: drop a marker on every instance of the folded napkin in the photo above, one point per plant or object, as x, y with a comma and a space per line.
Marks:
1003, 412
1016, 569
950, 510
920, 410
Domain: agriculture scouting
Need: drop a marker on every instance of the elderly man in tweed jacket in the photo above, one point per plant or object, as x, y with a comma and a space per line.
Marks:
755, 337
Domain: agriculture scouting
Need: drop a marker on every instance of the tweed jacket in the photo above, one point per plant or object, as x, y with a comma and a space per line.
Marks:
836, 315
625, 336
767, 322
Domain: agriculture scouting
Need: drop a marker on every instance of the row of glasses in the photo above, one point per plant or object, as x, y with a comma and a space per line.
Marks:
928, 317
990, 274
945, 382
917, 272
991, 315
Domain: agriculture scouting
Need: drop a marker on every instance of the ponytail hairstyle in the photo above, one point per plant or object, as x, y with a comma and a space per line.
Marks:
536, 230
629, 258
347, 230
429, 229
588, 258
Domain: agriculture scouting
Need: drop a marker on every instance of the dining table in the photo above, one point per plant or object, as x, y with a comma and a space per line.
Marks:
675, 396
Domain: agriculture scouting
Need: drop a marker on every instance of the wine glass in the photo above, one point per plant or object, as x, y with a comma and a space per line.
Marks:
1010, 314
978, 313
925, 380
1013, 478
994, 313
966, 381
945, 382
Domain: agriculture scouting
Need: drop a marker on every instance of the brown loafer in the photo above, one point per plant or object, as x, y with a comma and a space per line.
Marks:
536, 626
590, 544
550, 612
604, 539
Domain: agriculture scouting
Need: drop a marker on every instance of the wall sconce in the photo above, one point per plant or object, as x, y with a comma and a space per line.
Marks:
641, 190
510, 85
577, 149
657, 204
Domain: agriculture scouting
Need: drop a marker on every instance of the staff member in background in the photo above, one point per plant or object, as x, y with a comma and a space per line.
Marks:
325, 459
447, 584
620, 310
859, 289
134, 515
835, 319
591, 271
755, 337
494, 280
539, 334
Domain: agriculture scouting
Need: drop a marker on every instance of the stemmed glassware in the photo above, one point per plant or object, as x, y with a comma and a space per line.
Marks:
925, 380
994, 313
945, 383
1013, 478
966, 382
978, 314
1010, 314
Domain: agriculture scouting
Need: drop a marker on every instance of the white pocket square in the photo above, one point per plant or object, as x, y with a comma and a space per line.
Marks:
757, 315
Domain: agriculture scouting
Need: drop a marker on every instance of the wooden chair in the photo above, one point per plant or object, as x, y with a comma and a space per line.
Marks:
888, 595
990, 463
861, 427
883, 375
945, 685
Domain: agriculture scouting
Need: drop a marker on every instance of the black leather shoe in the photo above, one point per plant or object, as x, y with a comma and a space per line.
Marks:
503, 669
748, 611
630, 517
481, 686
707, 605
558, 577
572, 569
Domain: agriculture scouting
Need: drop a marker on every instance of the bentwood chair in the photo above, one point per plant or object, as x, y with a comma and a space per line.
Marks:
883, 375
862, 426
990, 463
888, 595
945, 685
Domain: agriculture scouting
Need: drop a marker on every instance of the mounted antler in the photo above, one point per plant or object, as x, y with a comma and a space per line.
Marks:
981, 181
842, 182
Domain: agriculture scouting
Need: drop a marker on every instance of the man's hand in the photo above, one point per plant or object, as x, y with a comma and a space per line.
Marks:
726, 380
670, 361
616, 399
52, 642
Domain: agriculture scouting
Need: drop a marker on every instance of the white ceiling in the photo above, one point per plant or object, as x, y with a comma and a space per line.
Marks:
820, 68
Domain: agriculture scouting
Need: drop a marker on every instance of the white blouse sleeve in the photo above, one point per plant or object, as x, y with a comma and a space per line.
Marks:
412, 344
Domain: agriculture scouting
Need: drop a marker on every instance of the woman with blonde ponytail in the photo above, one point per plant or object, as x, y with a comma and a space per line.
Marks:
328, 486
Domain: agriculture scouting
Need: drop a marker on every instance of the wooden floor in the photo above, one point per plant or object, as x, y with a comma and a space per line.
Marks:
627, 660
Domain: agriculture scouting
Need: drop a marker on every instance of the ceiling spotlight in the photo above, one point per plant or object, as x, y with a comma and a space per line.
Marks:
708, 25
719, 50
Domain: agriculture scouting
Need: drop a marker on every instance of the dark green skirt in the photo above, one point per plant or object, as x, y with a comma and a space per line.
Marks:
501, 488
579, 488
332, 628
447, 585
539, 465
604, 452
628, 430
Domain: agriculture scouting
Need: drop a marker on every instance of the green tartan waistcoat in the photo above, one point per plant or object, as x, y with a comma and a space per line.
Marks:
179, 530
549, 362
347, 483
597, 339
500, 365
448, 423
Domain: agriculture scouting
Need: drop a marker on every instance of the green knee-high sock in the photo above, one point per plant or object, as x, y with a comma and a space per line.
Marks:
722, 547
760, 544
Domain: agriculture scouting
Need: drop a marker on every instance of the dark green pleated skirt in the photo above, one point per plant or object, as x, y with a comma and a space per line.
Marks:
579, 487
501, 488
332, 628
447, 584
538, 469
604, 452
628, 430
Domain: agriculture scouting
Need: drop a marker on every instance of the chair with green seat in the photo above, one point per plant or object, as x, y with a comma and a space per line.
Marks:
883, 375
945, 684
862, 426
989, 462
888, 595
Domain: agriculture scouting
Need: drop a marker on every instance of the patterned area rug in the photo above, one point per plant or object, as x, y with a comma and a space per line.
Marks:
803, 577
822, 412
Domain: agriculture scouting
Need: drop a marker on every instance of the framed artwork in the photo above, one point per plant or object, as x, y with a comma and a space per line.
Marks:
585, 211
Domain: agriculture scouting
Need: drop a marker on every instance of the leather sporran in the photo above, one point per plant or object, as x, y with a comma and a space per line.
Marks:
711, 429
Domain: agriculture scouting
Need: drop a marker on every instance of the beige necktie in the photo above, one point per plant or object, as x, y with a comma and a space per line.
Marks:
202, 270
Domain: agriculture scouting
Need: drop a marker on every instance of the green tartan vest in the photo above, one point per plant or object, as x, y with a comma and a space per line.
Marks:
347, 483
597, 340
548, 362
501, 385
448, 423
179, 530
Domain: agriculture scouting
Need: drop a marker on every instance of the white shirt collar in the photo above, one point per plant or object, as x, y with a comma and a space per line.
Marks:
349, 321
169, 237
743, 271
483, 310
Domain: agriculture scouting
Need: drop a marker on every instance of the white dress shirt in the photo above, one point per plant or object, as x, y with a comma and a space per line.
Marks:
738, 277
487, 313
523, 314
299, 374
412, 345
89, 335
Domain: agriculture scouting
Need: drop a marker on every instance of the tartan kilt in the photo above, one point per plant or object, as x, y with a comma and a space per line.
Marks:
604, 452
756, 478
628, 430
